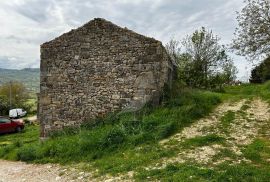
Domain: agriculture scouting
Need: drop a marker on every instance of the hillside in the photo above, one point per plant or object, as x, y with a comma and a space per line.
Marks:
28, 76
194, 136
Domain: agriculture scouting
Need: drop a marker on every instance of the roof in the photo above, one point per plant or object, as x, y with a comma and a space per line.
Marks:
102, 23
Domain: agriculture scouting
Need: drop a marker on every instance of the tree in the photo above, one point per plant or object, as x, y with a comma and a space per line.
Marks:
256, 76
4, 105
203, 63
207, 56
174, 51
261, 73
253, 34
16, 92
229, 72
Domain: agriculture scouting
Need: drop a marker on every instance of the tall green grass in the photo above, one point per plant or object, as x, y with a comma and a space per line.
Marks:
121, 132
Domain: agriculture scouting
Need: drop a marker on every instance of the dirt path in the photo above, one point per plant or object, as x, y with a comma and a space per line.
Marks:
250, 116
22, 172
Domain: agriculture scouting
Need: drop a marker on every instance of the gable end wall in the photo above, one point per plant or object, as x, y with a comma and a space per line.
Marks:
97, 69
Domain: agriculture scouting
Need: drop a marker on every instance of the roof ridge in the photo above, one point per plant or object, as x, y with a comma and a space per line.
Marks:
100, 20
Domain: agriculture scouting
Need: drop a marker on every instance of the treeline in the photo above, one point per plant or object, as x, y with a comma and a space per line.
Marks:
201, 61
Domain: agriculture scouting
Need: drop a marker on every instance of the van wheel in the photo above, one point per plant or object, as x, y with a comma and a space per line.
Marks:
18, 130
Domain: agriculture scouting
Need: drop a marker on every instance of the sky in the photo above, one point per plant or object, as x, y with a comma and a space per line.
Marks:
26, 24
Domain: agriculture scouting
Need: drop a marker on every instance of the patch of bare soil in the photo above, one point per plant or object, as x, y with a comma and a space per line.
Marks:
22, 172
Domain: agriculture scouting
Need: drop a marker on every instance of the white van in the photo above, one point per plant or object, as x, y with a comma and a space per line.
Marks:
17, 113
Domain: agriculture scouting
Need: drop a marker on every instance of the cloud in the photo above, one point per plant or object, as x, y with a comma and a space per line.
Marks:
25, 24
16, 63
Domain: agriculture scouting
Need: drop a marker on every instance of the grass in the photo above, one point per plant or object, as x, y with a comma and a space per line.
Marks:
176, 172
130, 141
202, 141
258, 151
192, 172
10, 144
124, 133
248, 91
132, 159
225, 153
227, 119
245, 107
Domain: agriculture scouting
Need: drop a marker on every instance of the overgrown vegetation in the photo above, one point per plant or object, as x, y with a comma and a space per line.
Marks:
130, 141
121, 133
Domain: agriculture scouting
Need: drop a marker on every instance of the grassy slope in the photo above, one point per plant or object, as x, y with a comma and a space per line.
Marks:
258, 152
129, 141
123, 134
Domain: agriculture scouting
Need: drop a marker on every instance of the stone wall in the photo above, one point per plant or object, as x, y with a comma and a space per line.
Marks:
96, 69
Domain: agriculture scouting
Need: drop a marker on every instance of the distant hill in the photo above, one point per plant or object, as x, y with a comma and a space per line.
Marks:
28, 76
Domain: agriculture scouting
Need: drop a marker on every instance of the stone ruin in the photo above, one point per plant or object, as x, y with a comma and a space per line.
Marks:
97, 69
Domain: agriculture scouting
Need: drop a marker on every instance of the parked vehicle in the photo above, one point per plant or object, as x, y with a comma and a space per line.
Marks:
17, 113
10, 125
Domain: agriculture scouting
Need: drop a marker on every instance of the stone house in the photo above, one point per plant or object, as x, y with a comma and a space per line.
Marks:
97, 69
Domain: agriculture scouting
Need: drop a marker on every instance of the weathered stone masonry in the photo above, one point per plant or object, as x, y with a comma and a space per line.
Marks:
96, 69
